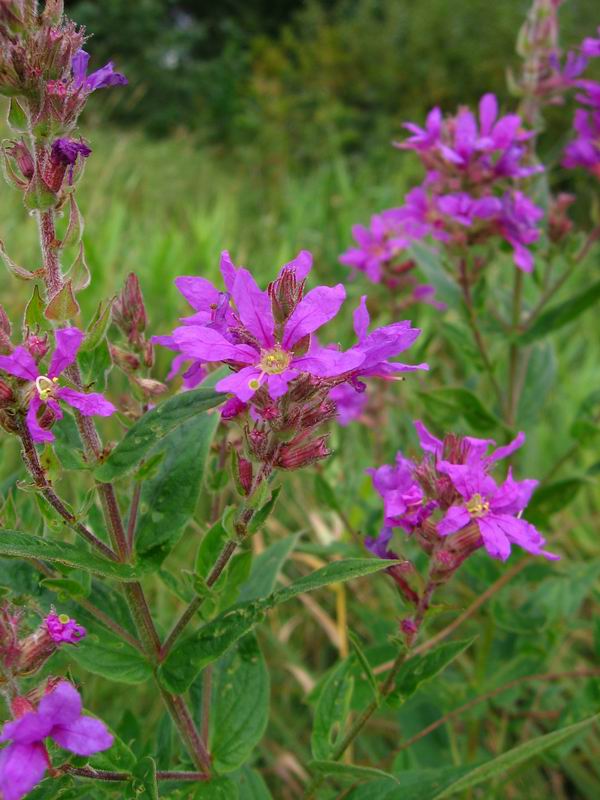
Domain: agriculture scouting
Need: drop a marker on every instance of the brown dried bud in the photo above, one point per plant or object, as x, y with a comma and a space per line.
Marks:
37, 345
9, 636
125, 360
245, 475
150, 387
5, 332
302, 451
559, 224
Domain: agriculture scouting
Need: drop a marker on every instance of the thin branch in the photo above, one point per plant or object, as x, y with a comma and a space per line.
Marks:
32, 462
550, 676
106, 775
133, 515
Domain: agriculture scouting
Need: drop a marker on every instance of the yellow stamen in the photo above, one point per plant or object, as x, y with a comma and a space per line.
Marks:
45, 386
63, 619
477, 506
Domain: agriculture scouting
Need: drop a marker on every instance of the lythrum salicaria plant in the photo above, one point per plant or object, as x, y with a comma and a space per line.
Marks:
118, 464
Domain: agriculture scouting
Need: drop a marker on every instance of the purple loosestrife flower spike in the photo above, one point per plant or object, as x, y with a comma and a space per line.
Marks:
46, 390
495, 510
100, 79
58, 717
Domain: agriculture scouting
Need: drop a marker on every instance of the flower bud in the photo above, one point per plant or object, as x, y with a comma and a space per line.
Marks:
37, 345
129, 312
232, 408
149, 386
24, 160
559, 224
63, 158
302, 451
7, 397
9, 637
125, 360
53, 12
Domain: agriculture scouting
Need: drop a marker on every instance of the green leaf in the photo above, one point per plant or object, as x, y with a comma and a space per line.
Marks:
585, 426
117, 758
217, 789
55, 789
350, 772
324, 493
364, 663
332, 710
154, 426
193, 653
551, 498
455, 401
25, 545
556, 317
336, 572
263, 513
96, 365
144, 779
34, 311
96, 330
265, 569
252, 785
540, 380
514, 757
423, 668
63, 306
414, 784
210, 547
169, 499
16, 117
240, 705
104, 654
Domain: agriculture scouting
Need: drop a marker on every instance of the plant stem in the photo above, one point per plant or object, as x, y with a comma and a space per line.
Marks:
134, 593
206, 700
106, 775
477, 335
512, 398
195, 604
133, 515
32, 462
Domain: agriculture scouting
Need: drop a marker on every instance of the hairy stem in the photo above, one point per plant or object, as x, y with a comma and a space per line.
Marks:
49, 245
106, 775
133, 516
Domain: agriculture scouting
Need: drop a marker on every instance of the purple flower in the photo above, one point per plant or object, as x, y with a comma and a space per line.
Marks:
47, 391
67, 150
24, 762
464, 209
403, 497
467, 450
517, 225
62, 628
591, 47
584, 151
495, 510
100, 79
380, 345
378, 245
249, 340
378, 545
350, 401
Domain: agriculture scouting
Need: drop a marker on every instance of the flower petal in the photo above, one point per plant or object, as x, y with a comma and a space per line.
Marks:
228, 270
208, 344
238, 383
361, 319
84, 736
328, 363
199, 292
22, 766
456, 518
318, 307
68, 342
494, 536
28, 729
38, 434
254, 307
90, 405
21, 364
62, 705
301, 264
429, 443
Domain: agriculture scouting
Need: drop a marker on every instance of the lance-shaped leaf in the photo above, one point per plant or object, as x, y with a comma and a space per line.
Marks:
63, 306
25, 545
34, 311
99, 325
79, 272
17, 271
559, 315
169, 499
213, 640
423, 668
240, 704
153, 427
332, 710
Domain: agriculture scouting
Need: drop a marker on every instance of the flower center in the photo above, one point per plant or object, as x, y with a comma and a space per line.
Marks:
45, 386
274, 361
477, 506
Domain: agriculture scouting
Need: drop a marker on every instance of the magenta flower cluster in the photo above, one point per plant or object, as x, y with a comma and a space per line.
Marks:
584, 150
266, 338
43, 390
23, 763
451, 504
473, 166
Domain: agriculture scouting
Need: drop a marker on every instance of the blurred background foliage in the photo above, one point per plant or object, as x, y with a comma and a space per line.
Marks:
304, 79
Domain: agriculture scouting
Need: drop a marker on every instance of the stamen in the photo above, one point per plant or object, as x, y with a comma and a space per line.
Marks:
45, 386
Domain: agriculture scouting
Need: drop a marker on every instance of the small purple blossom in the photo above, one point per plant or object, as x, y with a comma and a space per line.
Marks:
63, 629
67, 150
58, 717
100, 79
591, 47
350, 401
47, 391
494, 509
584, 150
